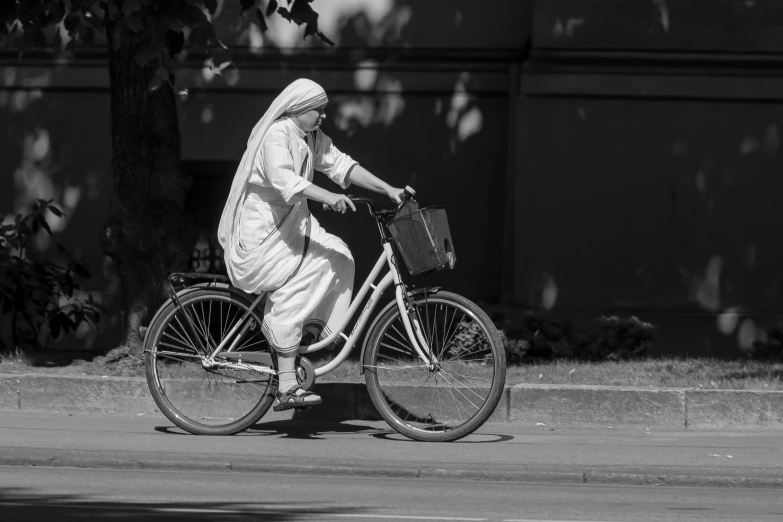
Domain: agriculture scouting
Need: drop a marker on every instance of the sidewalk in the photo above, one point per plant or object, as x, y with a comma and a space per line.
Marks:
497, 452
524, 405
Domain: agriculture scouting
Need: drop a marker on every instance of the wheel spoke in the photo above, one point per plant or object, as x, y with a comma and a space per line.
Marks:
465, 354
457, 377
220, 400
458, 394
459, 390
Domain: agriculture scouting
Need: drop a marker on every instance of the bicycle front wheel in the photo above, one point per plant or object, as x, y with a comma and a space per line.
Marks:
460, 393
207, 400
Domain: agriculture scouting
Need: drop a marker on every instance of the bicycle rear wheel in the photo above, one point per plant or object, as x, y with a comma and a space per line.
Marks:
203, 401
460, 393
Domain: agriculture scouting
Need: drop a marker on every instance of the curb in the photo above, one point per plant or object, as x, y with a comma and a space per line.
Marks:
22, 457
523, 404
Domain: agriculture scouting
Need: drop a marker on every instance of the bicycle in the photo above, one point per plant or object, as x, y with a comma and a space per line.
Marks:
212, 330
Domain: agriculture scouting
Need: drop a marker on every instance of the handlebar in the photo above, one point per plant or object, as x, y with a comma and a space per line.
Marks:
408, 194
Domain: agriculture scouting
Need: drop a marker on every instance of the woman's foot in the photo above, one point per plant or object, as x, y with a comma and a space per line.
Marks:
296, 397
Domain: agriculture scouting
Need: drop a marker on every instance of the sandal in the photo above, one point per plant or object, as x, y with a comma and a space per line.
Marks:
290, 399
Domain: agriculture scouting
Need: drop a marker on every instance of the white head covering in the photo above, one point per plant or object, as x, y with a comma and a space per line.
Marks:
300, 96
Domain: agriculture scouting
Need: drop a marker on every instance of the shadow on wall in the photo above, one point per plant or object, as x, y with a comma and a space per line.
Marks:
57, 146
21, 504
662, 208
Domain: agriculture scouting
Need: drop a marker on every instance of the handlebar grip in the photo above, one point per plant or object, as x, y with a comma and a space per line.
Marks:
326, 207
410, 191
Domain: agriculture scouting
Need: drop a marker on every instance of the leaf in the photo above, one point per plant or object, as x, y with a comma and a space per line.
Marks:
221, 57
285, 13
175, 40
302, 13
258, 19
55, 210
66, 285
271, 8
42, 221
323, 38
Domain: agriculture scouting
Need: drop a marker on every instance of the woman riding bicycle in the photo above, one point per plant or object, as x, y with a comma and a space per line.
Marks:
271, 241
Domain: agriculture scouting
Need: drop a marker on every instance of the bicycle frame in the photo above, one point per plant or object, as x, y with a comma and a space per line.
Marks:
412, 327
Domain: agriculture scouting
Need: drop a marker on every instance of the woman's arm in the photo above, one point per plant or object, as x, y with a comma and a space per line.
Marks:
365, 179
338, 202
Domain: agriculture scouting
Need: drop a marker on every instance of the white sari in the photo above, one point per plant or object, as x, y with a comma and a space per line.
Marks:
271, 242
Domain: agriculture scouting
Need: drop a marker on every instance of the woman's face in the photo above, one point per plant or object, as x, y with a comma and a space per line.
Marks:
310, 120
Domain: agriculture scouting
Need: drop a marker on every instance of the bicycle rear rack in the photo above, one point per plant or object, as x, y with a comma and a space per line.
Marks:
180, 280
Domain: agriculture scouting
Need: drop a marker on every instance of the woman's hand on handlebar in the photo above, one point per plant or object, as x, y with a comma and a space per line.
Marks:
339, 203
395, 194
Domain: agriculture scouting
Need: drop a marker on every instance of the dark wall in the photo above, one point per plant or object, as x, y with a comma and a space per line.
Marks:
649, 168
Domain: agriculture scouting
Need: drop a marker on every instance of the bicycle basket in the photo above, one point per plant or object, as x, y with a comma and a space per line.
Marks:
424, 240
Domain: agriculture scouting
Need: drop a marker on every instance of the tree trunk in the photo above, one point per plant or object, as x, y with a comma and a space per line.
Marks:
148, 234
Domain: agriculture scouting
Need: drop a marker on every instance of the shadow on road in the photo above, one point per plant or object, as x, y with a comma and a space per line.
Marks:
19, 505
309, 430
474, 438
321, 430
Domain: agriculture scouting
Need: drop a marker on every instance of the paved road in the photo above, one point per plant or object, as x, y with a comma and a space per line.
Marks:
63, 494
364, 441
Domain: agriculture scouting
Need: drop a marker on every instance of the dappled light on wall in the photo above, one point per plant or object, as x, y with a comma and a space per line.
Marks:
207, 113
33, 180
749, 145
32, 81
728, 320
663, 14
464, 118
366, 75
382, 104
750, 333
708, 287
545, 291
771, 139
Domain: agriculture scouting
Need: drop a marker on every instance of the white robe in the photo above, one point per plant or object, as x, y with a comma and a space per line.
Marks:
282, 248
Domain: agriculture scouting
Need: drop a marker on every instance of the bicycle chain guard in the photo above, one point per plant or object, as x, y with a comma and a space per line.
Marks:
305, 373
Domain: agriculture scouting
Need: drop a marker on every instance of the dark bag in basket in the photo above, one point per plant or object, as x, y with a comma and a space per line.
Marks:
423, 238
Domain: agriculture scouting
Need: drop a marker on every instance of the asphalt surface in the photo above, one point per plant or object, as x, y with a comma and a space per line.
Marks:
63, 494
497, 452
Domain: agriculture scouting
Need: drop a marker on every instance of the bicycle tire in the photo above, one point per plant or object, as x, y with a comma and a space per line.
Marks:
399, 416
168, 313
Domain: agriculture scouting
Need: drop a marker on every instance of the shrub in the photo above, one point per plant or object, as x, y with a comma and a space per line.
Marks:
37, 294
531, 337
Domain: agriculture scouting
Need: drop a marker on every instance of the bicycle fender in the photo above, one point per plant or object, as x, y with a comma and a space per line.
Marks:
412, 293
